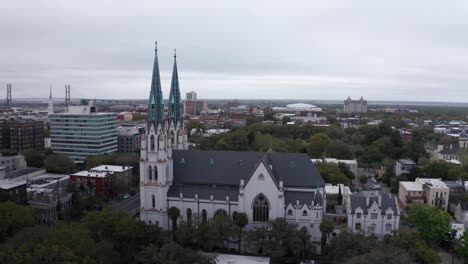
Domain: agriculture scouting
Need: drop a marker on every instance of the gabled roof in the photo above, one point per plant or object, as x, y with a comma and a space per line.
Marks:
359, 200
229, 167
204, 192
452, 150
308, 198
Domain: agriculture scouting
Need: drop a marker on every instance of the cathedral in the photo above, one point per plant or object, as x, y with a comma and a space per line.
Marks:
265, 186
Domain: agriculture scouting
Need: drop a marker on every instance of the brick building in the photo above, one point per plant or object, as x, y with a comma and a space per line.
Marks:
19, 135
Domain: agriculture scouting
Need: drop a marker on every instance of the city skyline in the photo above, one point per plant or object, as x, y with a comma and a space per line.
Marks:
394, 51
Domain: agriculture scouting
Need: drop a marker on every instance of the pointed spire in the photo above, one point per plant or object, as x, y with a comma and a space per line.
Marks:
175, 103
50, 96
155, 103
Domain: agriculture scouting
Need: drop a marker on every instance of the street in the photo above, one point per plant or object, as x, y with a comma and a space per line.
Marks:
130, 205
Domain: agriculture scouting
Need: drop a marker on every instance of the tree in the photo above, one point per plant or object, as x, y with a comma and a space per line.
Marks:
436, 169
94, 161
174, 214
331, 173
346, 245
384, 255
317, 145
172, 253
58, 163
410, 241
240, 220
13, 218
285, 120
461, 246
339, 150
34, 158
432, 223
326, 227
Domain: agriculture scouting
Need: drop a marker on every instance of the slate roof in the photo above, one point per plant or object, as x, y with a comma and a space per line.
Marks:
199, 167
450, 150
204, 192
359, 200
291, 197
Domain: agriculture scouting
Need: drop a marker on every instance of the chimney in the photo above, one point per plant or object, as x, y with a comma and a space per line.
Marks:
380, 200
367, 200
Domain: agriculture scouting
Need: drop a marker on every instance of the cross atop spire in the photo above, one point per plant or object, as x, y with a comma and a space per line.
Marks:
175, 54
156, 46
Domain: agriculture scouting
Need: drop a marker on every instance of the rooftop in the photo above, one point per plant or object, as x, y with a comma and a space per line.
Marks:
113, 168
438, 183
406, 162
9, 184
411, 186
93, 174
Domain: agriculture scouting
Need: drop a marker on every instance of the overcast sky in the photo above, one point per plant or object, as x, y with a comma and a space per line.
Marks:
398, 50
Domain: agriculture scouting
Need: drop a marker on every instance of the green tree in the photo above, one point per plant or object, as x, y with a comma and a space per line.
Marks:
326, 227
461, 246
58, 163
331, 173
285, 120
317, 145
339, 150
436, 169
240, 220
34, 158
432, 223
346, 245
13, 218
172, 253
174, 214
411, 241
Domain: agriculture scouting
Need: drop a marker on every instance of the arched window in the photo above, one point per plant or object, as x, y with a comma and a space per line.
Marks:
172, 138
156, 173
388, 227
189, 216
153, 200
203, 216
152, 144
290, 212
261, 177
304, 213
372, 228
150, 173
261, 209
234, 215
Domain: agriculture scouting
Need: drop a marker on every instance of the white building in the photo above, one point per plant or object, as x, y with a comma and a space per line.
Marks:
265, 186
404, 166
373, 213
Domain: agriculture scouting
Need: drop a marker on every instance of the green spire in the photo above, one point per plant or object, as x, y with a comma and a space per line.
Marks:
175, 102
155, 102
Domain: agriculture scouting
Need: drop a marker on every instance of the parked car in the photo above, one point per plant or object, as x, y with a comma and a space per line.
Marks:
131, 193
374, 187
126, 196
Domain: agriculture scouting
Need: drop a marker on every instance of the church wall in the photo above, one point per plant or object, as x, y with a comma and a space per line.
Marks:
262, 185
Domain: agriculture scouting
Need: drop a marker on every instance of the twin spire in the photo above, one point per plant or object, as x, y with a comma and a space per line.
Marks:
156, 113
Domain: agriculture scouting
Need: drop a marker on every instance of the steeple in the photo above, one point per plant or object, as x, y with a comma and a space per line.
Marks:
50, 108
175, 103
155, 103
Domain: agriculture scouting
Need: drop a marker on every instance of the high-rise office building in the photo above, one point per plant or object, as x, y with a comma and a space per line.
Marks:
82, 132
